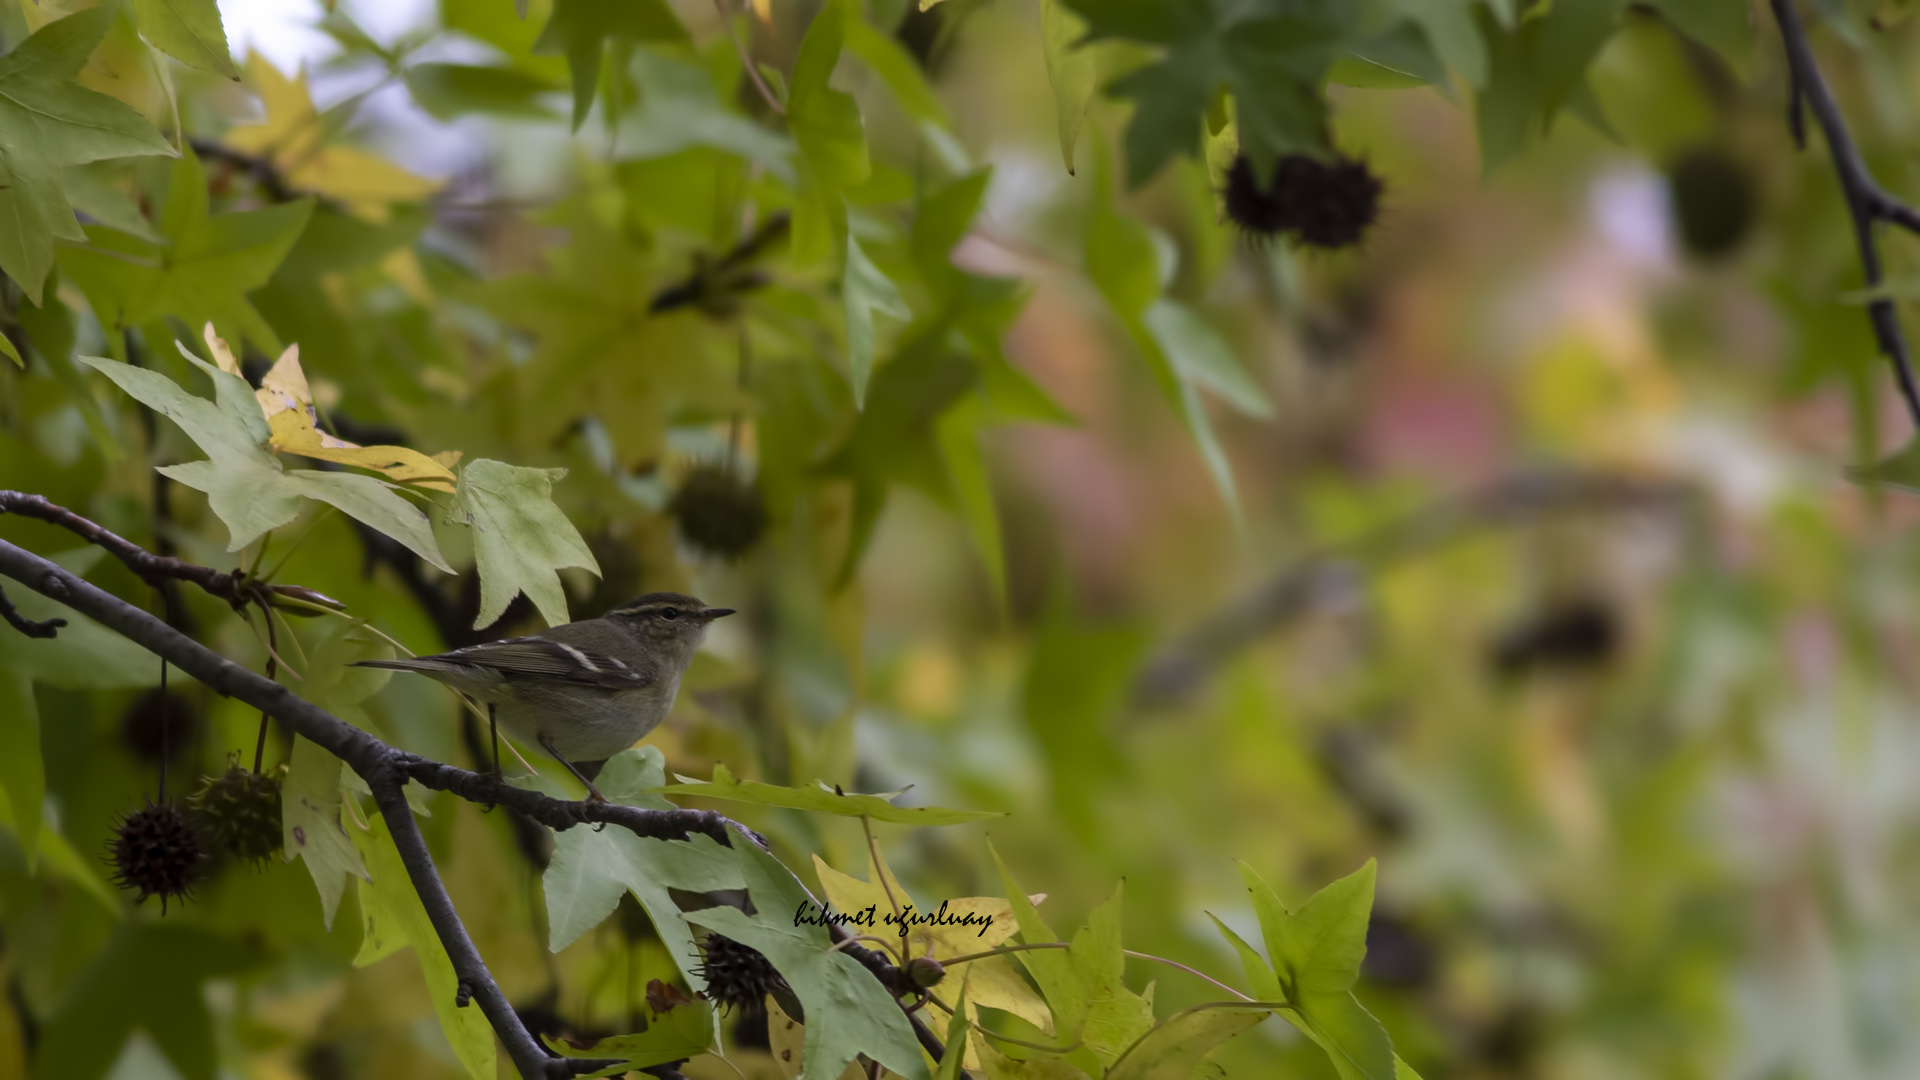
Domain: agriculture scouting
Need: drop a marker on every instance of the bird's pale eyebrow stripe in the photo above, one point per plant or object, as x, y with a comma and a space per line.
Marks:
579, 656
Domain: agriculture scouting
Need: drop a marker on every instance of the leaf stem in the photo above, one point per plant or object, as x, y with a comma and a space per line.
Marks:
746, 60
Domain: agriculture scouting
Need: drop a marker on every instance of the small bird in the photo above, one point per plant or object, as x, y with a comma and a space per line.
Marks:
583, 691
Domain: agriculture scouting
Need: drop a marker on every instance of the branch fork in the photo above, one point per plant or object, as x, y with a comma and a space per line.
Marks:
385, 769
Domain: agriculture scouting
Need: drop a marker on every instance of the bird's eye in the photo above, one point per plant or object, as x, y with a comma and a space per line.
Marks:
670, 613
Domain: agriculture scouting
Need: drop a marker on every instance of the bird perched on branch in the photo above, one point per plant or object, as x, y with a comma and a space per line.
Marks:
583, 691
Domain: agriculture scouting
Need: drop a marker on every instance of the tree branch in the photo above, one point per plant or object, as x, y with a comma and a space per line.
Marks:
1326, 578
384, 768
1867, 201
25, 625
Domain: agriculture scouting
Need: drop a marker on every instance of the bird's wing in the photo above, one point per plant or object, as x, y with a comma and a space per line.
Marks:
534, 658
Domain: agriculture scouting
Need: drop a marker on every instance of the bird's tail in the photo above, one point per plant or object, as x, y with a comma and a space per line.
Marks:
416, 663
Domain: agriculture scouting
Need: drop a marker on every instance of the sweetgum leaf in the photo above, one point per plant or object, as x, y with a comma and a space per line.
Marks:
520, 539
187, 30
682, 1032
591, 869
48, 122
204, 271
1070, 69
582, 28
396, 919
877, 807
1273, 55
848, 1012
1172, 1050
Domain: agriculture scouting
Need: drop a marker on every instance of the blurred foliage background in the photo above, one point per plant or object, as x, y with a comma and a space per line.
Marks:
1525, 561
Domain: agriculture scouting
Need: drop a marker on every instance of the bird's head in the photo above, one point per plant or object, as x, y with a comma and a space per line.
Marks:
668, 619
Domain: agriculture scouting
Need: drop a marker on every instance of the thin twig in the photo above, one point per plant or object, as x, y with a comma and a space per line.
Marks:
746, 60
1867, 201
29, 627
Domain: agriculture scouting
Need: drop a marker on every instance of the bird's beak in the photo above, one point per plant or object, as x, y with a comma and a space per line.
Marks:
718, 612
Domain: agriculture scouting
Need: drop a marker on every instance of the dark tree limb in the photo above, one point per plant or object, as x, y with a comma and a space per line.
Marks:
1867, 201
384, 768
1328, 578
260, 170
27, 626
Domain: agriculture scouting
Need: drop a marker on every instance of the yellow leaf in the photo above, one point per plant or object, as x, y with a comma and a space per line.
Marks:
992, 982
222, 355
293, 432
285, 386
291, 138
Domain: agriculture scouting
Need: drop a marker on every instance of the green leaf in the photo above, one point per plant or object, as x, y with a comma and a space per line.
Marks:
48, 122
679, 108
865, 290
311, 824
520, 539
591, 869
1355, 70
1172, 1050
1537, 69
448, 91
1124, 263
958, 433
1273, 56
1070, 68
202, 274
94, 195
898, 69
1316, 953
1053, 970
54, 851
1449, 28
833, 142
847, 1011
956, 1040
1260, 977
395, 919
1726, 26
244, 482
148, 977
821, 799
582, 28
1116, 1016
1201, 356
1077, 683
682, 1032
187, 30
6, 346
1902, 470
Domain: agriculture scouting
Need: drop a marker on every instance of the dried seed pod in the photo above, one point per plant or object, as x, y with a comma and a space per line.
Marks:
158, 851
719, 513
1323, 204
240, 810
738, 976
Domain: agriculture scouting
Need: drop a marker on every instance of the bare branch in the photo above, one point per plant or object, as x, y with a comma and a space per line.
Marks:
1866, 200
25, 625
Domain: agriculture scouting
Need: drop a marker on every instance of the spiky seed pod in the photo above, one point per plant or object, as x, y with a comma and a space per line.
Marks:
158, 851
1323, 204
158, 719
1713, 201
925, 972
738, 976
718, 512
240, 810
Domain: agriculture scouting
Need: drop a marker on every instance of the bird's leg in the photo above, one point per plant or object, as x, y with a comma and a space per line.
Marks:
493, 725
593, 793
